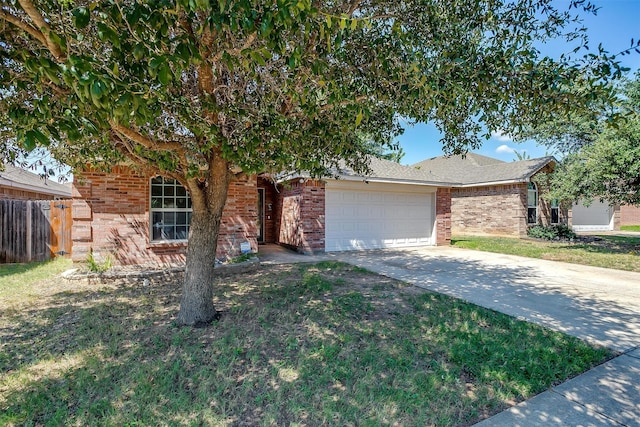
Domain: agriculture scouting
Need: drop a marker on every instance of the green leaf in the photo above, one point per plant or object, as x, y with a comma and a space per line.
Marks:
81, 17
139, 51
164, 74
42, 139
29, 141
359, 118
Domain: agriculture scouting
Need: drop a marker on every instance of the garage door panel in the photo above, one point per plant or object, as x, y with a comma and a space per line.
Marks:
359, 218
598, 216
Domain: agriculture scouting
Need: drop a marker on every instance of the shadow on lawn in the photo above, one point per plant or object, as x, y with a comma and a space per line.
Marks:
295, 344
608, 245
519, 290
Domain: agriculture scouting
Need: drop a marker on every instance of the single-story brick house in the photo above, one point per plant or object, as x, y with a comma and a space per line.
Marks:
493, 197
19, 184
138, 218
144, 219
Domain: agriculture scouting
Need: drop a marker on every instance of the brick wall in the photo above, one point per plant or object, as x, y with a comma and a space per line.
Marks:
629, 215
443, 216
494, 209
301, 208
111, 217
239, 218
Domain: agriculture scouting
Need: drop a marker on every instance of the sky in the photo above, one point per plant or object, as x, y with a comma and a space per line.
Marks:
616, 23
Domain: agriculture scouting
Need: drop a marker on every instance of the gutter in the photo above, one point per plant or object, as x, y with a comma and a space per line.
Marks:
483, 184
352, 178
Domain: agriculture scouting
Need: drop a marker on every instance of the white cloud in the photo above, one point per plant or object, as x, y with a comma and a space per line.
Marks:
503, 137
504, 148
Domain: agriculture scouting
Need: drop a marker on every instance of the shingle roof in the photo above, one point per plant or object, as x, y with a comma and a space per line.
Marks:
387, 170
12, 176
475, 169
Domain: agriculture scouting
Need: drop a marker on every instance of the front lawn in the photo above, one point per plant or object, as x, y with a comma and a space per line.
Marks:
617, 252
309, 344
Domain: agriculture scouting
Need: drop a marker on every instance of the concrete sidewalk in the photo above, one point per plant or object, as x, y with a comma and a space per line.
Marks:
596, 304
599, 305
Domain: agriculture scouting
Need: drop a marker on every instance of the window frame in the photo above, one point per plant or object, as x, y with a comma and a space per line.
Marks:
169, 200
532, 188
555, 208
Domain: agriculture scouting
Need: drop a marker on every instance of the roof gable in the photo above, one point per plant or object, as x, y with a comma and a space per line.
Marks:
12, 176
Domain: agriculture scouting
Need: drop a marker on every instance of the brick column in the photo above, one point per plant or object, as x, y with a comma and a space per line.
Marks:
443, 216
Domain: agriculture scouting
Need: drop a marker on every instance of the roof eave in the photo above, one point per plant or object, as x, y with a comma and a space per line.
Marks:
503, 182
8, 183
393, 181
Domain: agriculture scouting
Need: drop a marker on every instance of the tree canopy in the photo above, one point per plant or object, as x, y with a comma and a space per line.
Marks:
604, 163
205, 91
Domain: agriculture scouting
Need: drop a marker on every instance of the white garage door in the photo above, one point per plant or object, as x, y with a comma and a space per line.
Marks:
597, 216
374, 215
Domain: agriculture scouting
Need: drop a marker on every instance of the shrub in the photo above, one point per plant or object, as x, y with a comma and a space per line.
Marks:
551, 232
98, 267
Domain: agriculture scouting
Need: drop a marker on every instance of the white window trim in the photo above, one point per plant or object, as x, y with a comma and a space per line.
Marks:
152, 210
535, 188
557, 207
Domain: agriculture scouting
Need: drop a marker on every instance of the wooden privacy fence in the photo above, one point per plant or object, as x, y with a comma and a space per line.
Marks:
34, 230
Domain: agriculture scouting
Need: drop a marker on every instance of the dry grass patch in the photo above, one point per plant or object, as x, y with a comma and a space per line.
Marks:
310, 344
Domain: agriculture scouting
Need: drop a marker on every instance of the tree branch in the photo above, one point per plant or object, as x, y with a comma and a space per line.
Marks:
352, 7
144, 141
126, 149
247, 44
23, 26
43, 28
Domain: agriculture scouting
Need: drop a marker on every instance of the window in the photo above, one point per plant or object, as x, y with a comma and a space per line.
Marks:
555, 212
170, 210
532, 204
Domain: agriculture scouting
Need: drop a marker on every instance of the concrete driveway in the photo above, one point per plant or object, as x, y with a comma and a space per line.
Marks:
599, 305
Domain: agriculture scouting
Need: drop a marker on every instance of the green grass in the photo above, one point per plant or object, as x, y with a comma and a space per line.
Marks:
617, 252
296, 345
630, 228
21, 277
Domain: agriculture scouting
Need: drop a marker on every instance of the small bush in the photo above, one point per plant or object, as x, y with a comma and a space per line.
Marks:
242, 258
99, 267
551, 232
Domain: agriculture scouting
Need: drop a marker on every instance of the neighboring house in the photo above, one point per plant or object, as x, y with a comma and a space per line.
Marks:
629, 215
598, 216
138, 218
492, 197
19, 184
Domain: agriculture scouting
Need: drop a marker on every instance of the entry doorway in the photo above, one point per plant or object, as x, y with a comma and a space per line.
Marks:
260, 215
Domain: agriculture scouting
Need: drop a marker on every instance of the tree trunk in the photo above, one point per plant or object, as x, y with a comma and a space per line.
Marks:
208, 200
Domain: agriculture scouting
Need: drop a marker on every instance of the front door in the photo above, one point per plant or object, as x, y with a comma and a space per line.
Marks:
260, 215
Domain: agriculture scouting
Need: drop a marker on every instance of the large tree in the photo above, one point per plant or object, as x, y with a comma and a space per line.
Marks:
205, 91
602, 161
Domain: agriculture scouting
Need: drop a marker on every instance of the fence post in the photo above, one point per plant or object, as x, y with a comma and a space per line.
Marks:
29, 235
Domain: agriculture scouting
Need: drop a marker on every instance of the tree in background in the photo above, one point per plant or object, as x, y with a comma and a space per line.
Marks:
602, 156
207, 91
